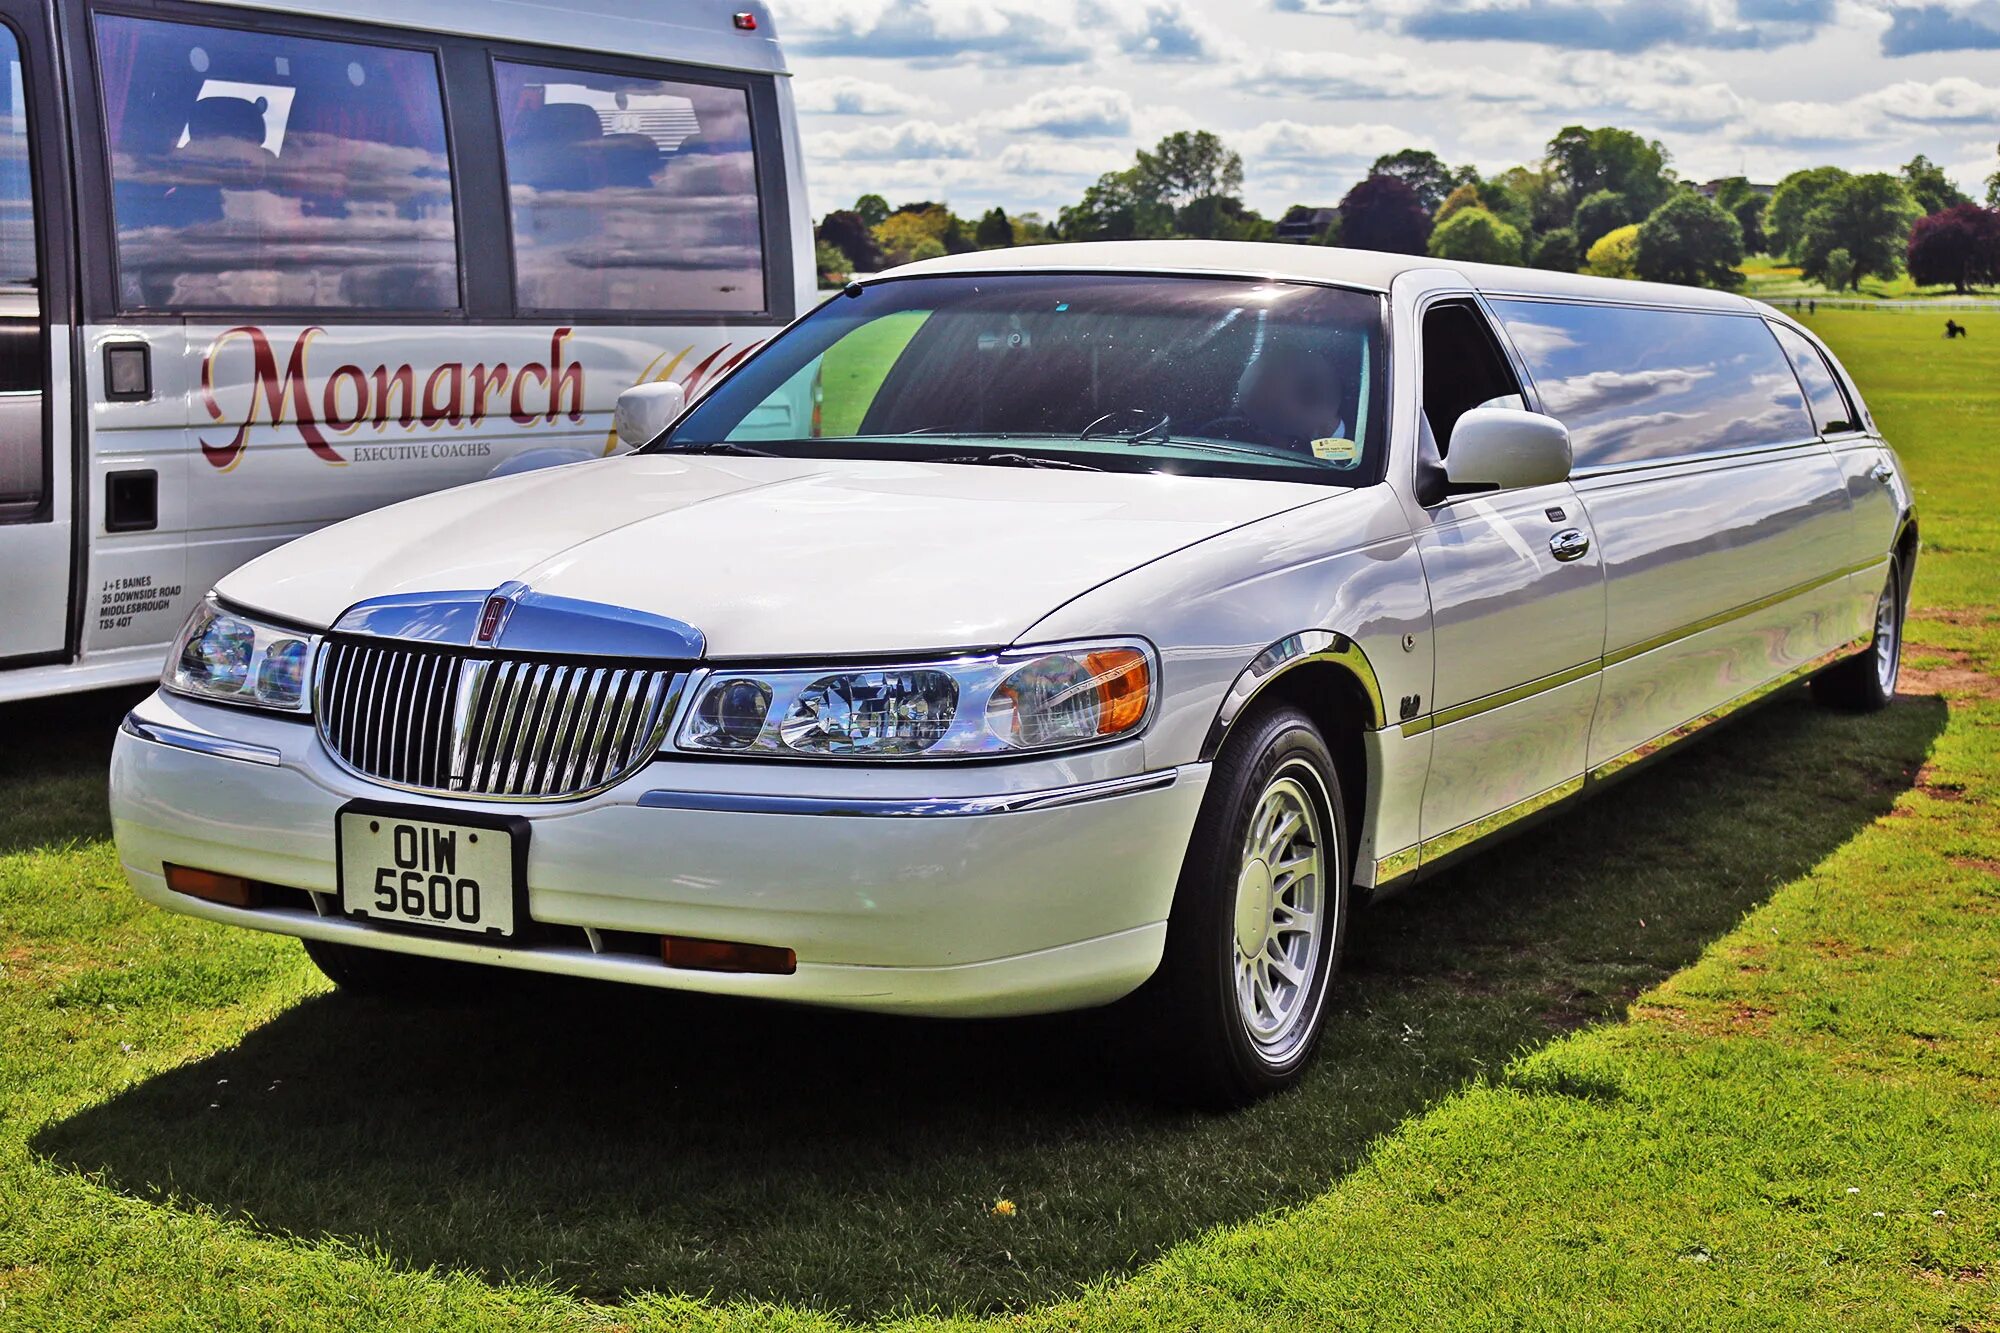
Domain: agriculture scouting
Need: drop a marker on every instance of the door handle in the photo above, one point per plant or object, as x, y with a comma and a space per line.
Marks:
1882, 473
1569, 544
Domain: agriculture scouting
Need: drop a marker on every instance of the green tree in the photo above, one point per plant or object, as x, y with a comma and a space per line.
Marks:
1463, 196
1556, 251
845, 231
1615, 255
1475, 235
1993, 189
831, 261
904, 232
1598, 212
994, 230
1867, 216
1837, 270
1222, 217
1425, 172
1608, 158
1742, 201
1527, 200
873, 208
1930, 187
1796, 196
1690, 240
1121, 206
1189, 164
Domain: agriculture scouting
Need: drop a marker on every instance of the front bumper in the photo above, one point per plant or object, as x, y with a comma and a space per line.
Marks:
975, 890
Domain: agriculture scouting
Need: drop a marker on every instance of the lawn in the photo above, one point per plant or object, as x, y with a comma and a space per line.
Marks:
1718, 1049
1771, 278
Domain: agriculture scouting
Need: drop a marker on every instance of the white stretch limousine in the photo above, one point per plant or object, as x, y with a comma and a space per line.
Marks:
1130, 613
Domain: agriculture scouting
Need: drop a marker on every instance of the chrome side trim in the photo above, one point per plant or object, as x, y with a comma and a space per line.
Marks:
1421, 860
201, 742
1313, 645
1618, 764
1417, 726
890, 807
1433, 852
1486, 703
1645, 646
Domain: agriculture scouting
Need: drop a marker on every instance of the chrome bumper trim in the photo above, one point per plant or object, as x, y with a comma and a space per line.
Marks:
201, 742
899, 807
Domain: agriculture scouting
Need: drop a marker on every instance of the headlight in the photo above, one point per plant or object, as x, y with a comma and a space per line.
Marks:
1042, 699
233, 659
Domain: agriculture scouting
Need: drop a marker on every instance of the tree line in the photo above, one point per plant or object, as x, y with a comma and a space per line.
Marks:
1605, 201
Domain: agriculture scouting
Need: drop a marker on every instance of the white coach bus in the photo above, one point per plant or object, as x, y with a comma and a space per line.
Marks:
267, 265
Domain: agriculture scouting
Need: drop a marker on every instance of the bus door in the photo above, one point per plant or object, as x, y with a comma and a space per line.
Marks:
36, 464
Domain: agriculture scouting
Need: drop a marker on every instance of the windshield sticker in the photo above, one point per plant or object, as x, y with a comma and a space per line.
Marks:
1336, 450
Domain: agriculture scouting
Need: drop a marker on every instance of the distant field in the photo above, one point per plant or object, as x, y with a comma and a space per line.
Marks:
1769, 279
1721, 1049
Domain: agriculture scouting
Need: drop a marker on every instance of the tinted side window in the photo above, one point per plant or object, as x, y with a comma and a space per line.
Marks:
630, 193
1830, 410
1636, 385
1463, 369
254, 169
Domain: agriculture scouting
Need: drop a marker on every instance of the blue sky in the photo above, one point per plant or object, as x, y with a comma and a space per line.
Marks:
1025, 102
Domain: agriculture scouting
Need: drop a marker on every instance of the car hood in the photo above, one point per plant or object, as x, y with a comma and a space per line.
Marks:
773, 556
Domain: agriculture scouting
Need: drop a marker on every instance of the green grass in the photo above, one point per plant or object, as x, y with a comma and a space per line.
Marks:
1772, 278
1717, 1050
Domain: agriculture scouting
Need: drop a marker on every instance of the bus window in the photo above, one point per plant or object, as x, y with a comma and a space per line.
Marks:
630, 194
259, 170
23, 458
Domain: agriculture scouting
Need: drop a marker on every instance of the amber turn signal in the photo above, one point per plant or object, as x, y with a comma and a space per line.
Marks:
229, 890
1123, 690
726, 956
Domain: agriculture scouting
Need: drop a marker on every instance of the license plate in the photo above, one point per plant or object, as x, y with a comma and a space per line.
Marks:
426, 872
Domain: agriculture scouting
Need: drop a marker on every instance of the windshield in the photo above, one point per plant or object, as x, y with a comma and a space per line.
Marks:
1201, 376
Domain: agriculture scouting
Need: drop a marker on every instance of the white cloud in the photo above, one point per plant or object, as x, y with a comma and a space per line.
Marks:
1951, 99
1059, 159
1349, 76
1292, 141
1071, 113
912, 140
846, 95
997, 32
1155, 29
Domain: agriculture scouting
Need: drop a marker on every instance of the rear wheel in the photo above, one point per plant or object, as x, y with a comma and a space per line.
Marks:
1867, 682
380, 972
1259, 918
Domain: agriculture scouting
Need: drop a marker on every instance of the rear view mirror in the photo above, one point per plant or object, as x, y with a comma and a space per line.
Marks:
1505, 449
644, 410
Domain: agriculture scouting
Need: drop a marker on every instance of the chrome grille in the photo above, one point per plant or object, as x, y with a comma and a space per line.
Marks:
463, 723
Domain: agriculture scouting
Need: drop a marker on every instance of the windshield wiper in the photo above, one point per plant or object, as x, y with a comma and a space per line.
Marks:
1005, 459
719, 447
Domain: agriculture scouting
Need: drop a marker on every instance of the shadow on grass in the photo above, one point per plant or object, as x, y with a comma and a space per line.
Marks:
616, 1141
54, 754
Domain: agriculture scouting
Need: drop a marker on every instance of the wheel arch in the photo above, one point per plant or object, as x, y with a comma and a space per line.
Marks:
1327, 677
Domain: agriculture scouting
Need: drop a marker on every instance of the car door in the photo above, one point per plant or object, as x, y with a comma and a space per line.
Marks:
1873, 488
1723, 519
1517, 597
36, 499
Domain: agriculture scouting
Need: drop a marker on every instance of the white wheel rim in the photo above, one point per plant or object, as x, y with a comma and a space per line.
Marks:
1285, 890
1888, 636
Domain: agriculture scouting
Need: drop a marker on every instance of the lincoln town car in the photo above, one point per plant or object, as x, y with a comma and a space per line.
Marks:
1031, 631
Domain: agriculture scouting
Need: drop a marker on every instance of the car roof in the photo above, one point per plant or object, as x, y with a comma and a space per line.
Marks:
1371, 269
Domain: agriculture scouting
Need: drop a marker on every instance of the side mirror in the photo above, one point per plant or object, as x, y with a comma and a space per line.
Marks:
644, 410
1505, 449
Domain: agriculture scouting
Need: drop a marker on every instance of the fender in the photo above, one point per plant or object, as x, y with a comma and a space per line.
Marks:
1288, 654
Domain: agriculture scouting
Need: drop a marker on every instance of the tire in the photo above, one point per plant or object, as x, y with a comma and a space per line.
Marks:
401, 976
1229, 1031
1867, 682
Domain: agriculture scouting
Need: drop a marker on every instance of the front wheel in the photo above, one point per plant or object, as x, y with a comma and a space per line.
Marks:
1259, 918
1866, 683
